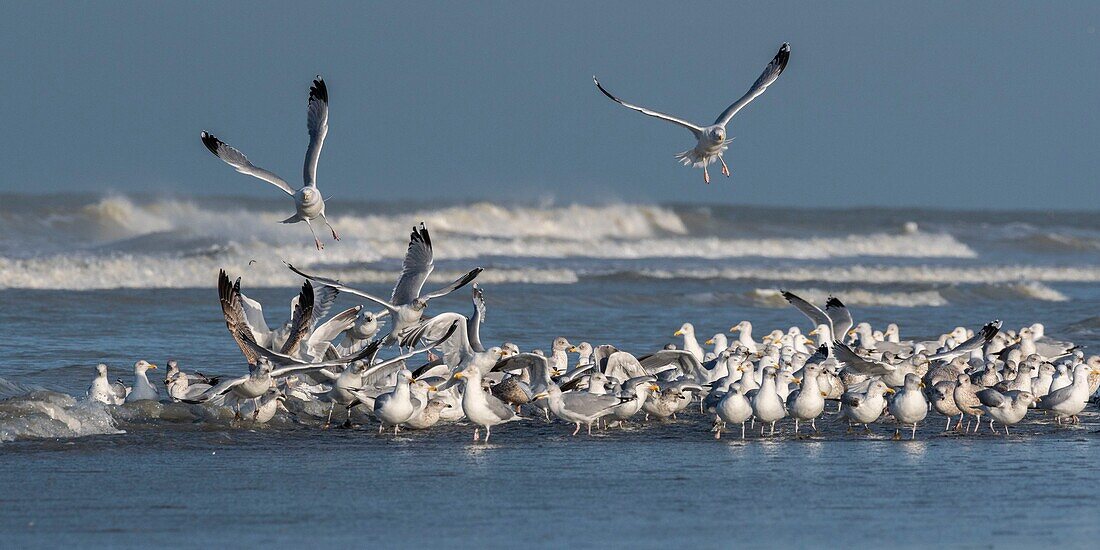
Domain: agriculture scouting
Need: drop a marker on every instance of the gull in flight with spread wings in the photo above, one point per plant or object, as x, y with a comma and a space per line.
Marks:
712, 141
308, 203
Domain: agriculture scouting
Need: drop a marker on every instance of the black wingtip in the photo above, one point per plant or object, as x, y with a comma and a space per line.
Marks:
833, 302
782, 56
212, 143
318, 90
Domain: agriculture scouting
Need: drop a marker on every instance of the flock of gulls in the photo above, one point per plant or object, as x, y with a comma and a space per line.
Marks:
437, 370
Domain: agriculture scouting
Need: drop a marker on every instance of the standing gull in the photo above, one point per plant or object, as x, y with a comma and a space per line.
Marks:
711, 140
308, 203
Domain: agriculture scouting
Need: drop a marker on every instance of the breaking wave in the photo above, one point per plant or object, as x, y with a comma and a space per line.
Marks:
34, 413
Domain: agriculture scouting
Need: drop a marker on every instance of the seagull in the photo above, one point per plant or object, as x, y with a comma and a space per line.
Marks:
482, 409
308, 203
408, 301
712, 139
143, 389
103, 391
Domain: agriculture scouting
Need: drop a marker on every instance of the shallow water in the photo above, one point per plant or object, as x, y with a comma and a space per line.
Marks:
180, 477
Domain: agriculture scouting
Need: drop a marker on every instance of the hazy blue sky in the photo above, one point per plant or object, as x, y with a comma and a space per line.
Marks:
956, 104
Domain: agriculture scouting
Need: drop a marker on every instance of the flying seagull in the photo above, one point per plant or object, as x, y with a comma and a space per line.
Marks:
712, 139
308, 203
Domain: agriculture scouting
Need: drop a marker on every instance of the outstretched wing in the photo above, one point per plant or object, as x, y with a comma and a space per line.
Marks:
840, 317
419, 263
770, 74
457, 284
694, 129
455, 349
343, 288
816, 314
321, 337
301, 321
239, 162
977, 342
473, 325
317, 123
229, 294
845, 355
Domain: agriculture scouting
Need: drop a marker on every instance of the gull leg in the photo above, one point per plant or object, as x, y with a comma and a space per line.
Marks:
948, 428
796, 426
315, 239
706, 174
725, 169
866, 429
914, 436
381, 427
773, 428
335, 237
813, 424
589, 428
742, 430
897, 434
578, 429
487, 434
1006, 430
329, 421
477, 434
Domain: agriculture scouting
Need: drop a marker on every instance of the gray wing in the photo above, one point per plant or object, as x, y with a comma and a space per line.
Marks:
840, 316
418, 264
221, 389
473, 324
991, 398
589, 404
301, 321
684, 360
694, 129
499, 408
844, 354
977, 342
1055, 397
343, 288
290, 365
317, 123
456, 284
229, 294
324, 297
816, 314
240, 163
771, 73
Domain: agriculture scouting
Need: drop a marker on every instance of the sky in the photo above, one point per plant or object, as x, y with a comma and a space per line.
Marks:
957, 105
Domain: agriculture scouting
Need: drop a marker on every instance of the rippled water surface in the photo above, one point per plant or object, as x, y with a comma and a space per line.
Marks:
620, 274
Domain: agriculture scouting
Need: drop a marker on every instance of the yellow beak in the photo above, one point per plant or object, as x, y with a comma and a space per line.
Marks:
678, 333
541, 395
891, 390
709, 341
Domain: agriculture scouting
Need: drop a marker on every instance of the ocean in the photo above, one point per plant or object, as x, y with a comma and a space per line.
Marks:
116, 278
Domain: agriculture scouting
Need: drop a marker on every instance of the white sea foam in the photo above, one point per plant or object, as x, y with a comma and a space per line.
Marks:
46, 414
853, 297
888, 274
